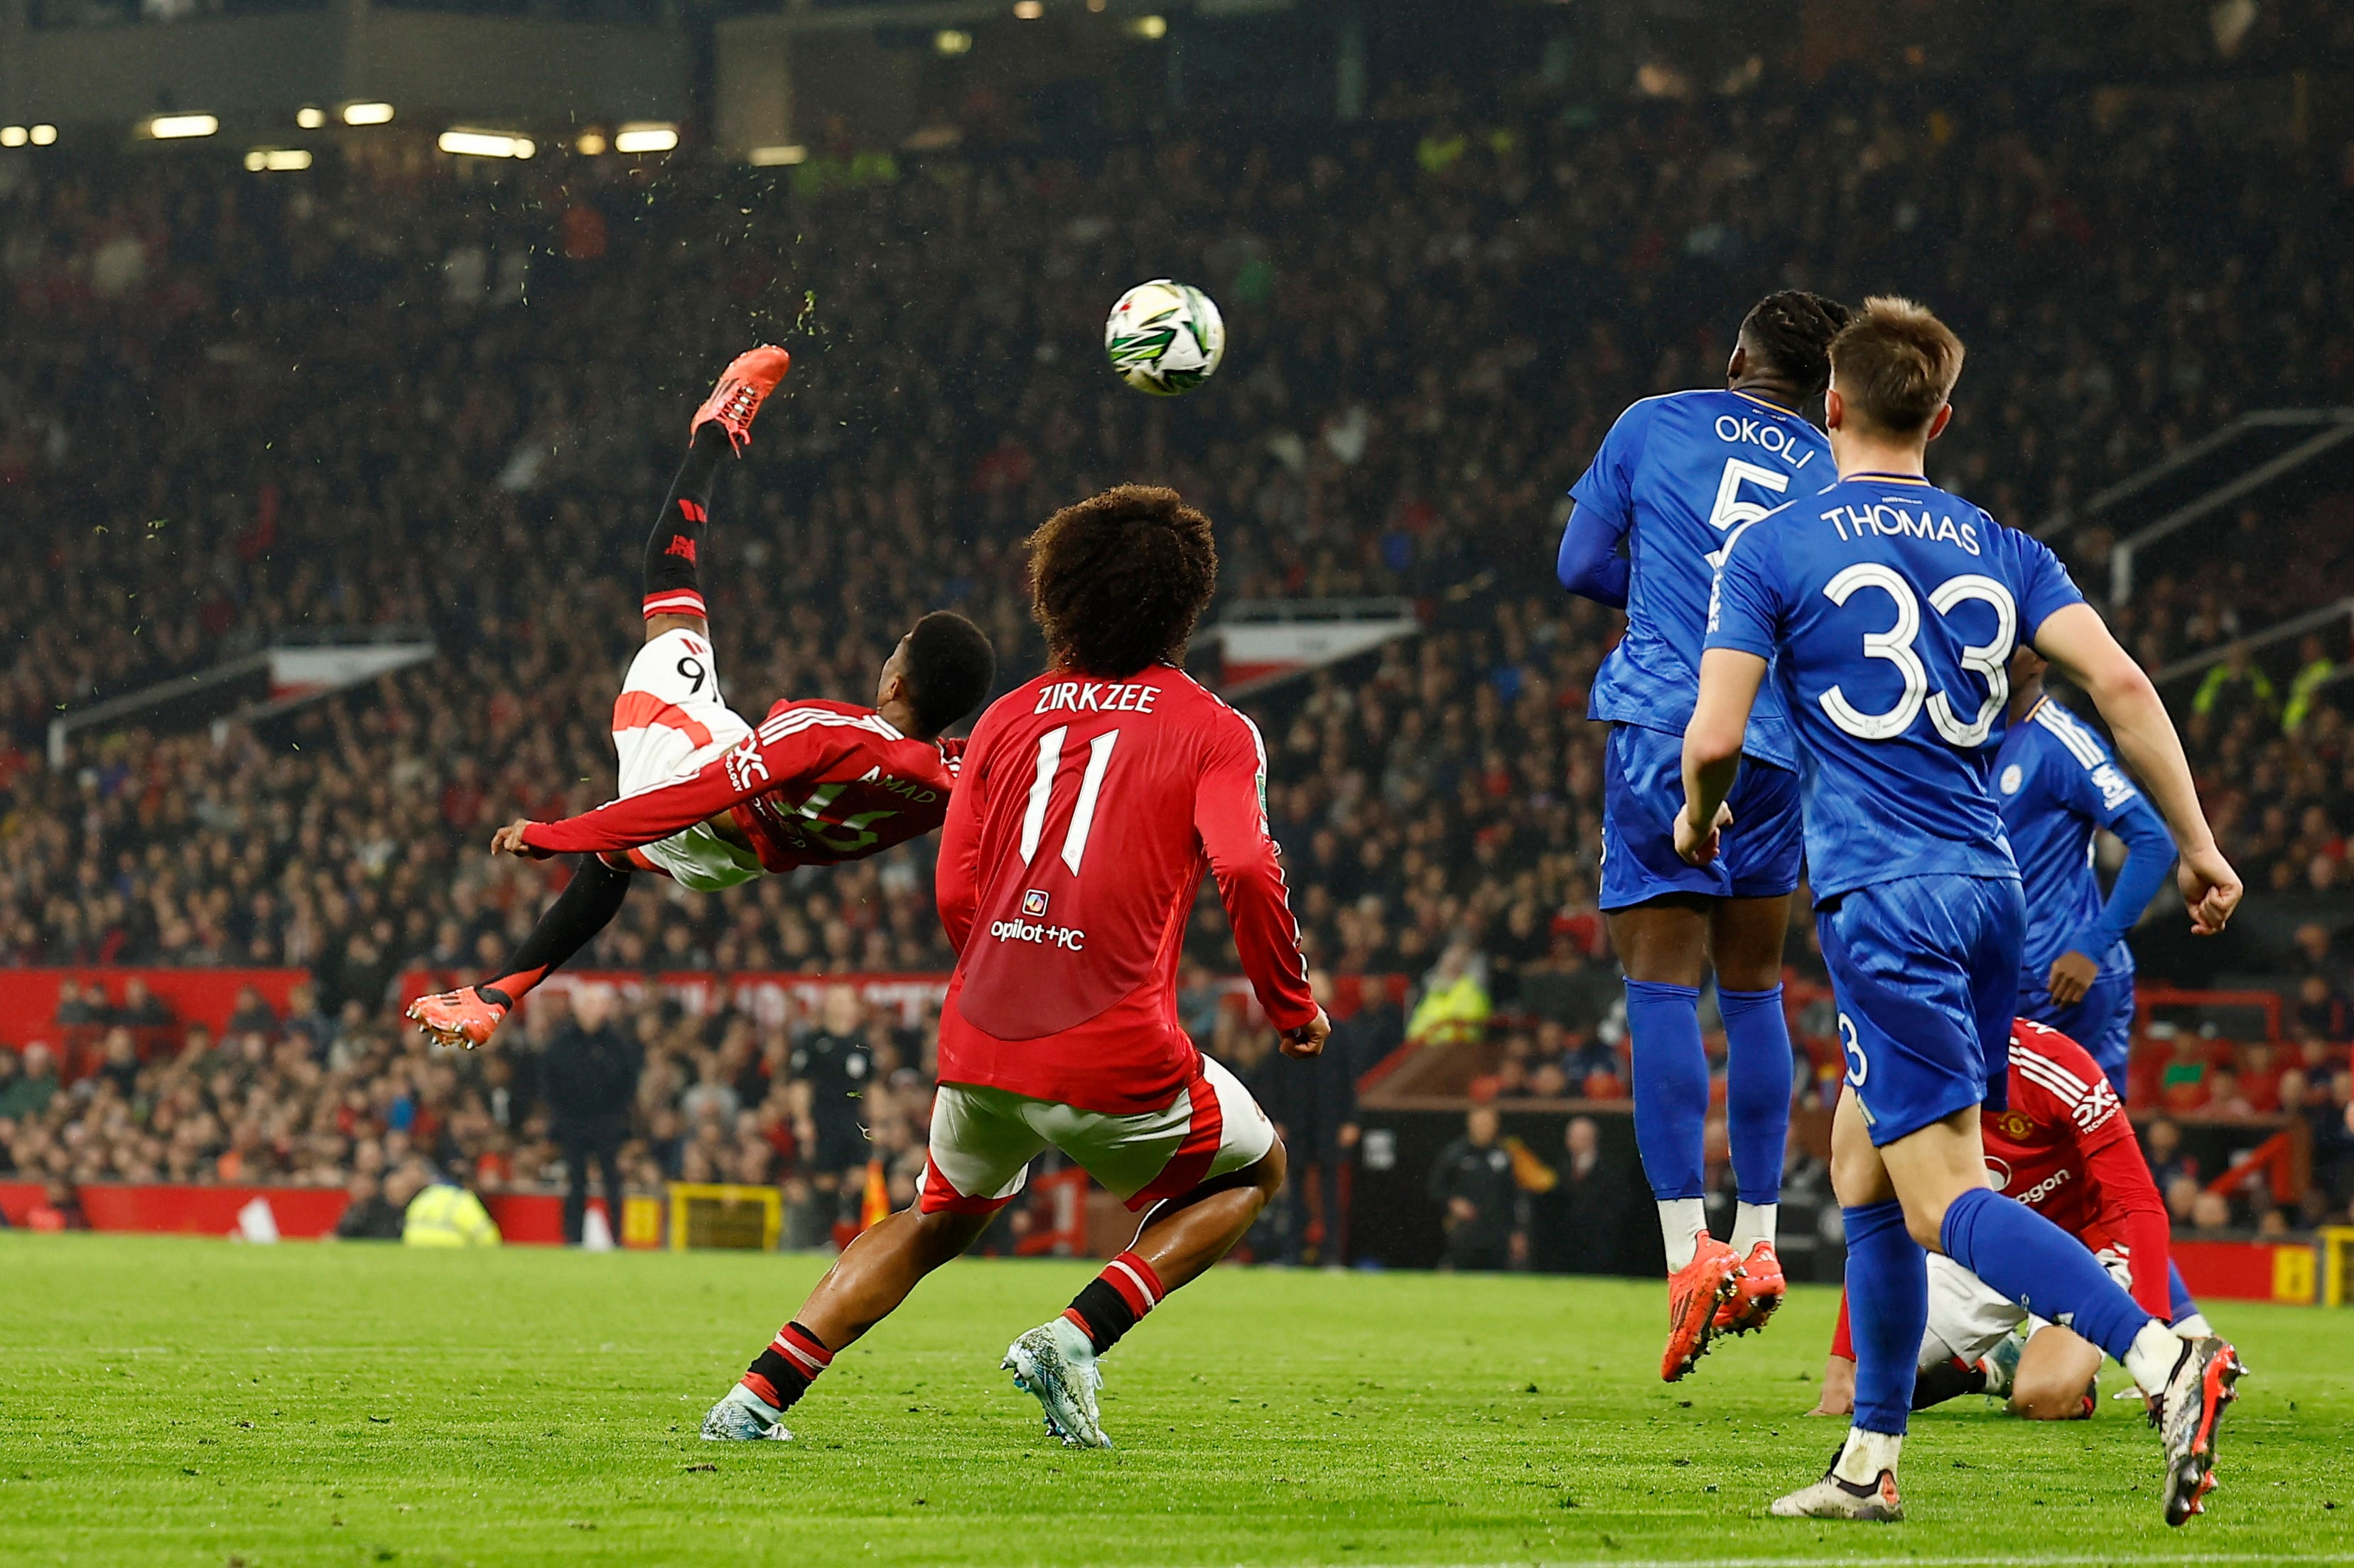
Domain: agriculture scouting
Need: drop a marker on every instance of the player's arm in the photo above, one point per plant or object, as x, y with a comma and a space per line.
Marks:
2135, 1213
2078, 642
2150, 854
1232, 826
646, 817
1729, 679
1744, 622
956, 879
1588, 563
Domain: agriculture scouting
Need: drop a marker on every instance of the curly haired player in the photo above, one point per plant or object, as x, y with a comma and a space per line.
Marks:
707, 799
1092, 800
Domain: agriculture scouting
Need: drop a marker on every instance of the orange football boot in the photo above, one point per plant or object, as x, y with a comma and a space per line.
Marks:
1695, 1291
1760, 1291
459, 1018
743, 386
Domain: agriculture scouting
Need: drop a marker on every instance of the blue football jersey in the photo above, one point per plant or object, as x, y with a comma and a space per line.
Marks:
1890, 610
1677, 476
2055, 784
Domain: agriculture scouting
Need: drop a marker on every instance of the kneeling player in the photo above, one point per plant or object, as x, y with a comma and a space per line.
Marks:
2063, 1147
705, 798
1093, 799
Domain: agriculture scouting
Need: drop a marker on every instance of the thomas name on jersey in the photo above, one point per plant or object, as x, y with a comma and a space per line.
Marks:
1890, 520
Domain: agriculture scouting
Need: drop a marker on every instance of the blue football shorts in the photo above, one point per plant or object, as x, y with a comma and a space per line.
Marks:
1925, 970
2102, 1022
1642, 790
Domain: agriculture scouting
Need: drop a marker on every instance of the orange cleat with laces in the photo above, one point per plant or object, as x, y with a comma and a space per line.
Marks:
1759, 1291
1695, 1292
457, 1018
743, 386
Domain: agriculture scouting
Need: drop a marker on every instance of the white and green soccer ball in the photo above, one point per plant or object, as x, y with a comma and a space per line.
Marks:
1164, 338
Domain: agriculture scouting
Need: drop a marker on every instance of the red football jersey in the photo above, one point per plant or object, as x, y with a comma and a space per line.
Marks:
2065, 1149
817, 783
1086, 813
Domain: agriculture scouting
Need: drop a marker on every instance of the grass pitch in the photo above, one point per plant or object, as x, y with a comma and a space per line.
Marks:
196, 1402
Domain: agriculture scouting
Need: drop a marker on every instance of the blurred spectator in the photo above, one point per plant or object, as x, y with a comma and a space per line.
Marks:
252, 1014
370, 1216
35, 1087
437, 1212
2210, 1213
76, 1007
588, 1080
1574, 1228
1454, 1006
836, 1063
59, 1209
1471, 1182
2162, 1146
1313, 1105
141, 1007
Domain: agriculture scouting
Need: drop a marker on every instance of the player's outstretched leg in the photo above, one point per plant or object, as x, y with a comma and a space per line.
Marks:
866, 1283
469, 1016
1180, 1239
2027, 1258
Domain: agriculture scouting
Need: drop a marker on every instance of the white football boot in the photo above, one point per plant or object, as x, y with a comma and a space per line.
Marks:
743, 1416
1057, 1363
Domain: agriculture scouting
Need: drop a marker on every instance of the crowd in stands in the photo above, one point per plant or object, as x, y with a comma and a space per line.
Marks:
382, 394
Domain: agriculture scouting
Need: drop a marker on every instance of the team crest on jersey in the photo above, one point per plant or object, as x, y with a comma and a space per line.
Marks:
1034, 904
2012, 777
2014, 1124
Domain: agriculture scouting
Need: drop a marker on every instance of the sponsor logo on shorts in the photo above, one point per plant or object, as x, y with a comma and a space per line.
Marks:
1068, 938
1034, 904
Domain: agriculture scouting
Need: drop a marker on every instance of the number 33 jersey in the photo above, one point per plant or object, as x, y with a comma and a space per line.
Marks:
1890, 609
1087, 812
1675, 475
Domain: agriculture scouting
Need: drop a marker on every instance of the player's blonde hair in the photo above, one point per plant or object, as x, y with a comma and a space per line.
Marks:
1895, 365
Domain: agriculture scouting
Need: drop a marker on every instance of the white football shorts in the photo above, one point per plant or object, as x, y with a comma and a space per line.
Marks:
669, 721
982, 1141
1967, 1317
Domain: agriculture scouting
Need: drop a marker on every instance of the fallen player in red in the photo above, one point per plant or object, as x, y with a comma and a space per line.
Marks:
2065, 1147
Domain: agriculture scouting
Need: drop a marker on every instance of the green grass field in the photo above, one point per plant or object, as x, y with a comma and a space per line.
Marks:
195, 1402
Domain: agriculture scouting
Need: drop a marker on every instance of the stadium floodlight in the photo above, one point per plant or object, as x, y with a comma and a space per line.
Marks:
14, 136
588, 143
175, 127
43, 135
1148, 28
309, 117
278, 160
953, 41
367, 114
776, 157
646, 136
1029, 10
469, 143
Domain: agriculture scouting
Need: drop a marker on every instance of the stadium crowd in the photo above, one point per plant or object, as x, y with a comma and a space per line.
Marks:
390, 394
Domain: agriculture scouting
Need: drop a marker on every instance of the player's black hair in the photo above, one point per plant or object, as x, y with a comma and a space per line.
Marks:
1791, 332
951, 667
1117, 580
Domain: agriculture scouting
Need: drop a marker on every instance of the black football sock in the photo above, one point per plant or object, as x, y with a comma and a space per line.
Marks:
1949, 1379
1115, 1300
781, 1373
671, 587
586, 906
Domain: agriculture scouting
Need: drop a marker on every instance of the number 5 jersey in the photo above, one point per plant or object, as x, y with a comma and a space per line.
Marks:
1088, 810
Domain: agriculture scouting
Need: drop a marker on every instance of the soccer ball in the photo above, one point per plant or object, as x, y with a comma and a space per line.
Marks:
1164, 338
